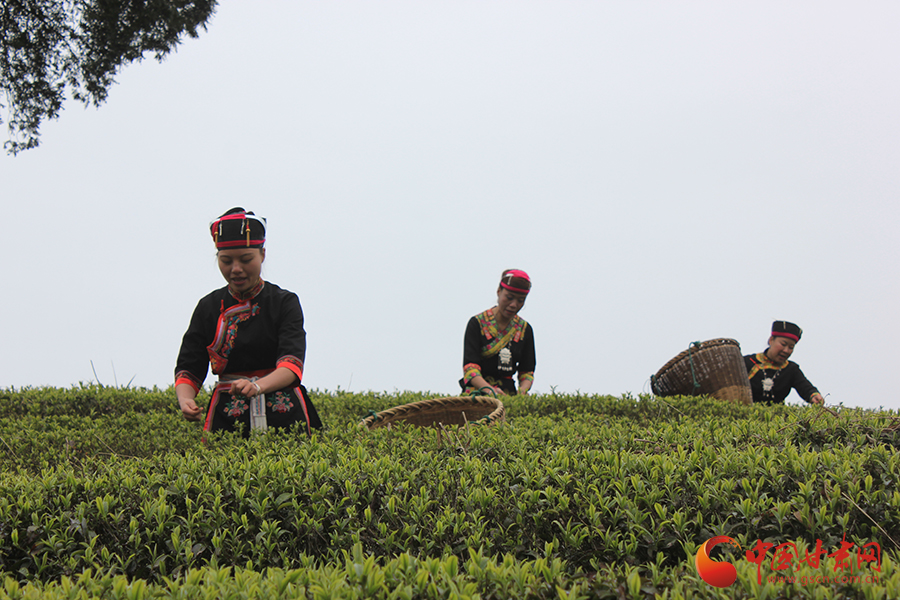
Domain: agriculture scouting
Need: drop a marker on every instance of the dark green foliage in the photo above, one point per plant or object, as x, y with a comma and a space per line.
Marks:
86, 401
47, 46
617, 492
357, 575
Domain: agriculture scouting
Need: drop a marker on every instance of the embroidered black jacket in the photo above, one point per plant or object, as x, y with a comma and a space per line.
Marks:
783, 378
497, 355
243, 336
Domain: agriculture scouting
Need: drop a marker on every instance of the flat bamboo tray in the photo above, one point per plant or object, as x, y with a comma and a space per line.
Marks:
714, 367
455, 410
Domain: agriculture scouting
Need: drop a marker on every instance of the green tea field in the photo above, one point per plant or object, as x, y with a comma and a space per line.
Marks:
109, 493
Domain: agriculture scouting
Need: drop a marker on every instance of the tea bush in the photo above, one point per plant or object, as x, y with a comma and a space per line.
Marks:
89, 400
358, 576
616, 492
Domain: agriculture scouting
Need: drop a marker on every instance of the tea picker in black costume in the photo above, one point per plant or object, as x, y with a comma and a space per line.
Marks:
772, 375
251, 332
499, 343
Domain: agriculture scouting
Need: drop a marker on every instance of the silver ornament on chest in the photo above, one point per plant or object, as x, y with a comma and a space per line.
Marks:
767, 384
505, 360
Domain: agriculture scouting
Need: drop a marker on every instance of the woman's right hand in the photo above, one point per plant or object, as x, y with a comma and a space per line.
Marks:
484, 387
189, 409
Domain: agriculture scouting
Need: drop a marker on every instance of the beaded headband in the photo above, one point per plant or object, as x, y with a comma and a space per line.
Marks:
238, 229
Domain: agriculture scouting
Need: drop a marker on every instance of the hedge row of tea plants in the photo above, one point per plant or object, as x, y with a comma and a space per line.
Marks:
360, 576
609, 489
85, 400
45, 427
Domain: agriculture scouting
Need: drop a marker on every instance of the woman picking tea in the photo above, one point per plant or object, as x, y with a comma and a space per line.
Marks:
251, 332
772, 375
499, 343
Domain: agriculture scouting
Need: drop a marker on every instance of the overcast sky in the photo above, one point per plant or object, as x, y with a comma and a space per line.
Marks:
665, 171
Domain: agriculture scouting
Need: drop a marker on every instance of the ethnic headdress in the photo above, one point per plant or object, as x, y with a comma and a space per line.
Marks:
238, 228
516, 281
786, 329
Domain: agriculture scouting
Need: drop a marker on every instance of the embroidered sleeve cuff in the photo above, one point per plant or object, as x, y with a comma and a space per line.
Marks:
186, 377
470, 372
529, 376
293, 363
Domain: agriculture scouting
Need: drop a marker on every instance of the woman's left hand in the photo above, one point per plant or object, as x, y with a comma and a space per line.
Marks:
817, 399
246, 388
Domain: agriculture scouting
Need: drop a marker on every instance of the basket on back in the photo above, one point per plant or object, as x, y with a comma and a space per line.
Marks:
715, 368
456, 410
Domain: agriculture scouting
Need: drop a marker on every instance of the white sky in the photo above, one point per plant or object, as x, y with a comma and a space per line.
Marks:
665, 171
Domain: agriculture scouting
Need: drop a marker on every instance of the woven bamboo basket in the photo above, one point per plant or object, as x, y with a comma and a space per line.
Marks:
456, 410
715, 368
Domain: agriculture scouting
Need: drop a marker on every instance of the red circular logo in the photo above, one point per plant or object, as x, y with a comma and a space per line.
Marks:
713, 572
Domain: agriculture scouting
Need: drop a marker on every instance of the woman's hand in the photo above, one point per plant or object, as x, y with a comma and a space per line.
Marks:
493, 389
817, 399
280, 378
189, 409
245, 388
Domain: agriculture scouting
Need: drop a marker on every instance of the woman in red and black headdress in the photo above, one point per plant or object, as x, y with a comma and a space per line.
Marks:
251, 332
499, 343
772, 375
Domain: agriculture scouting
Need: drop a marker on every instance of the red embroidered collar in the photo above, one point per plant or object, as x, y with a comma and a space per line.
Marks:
251, 293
